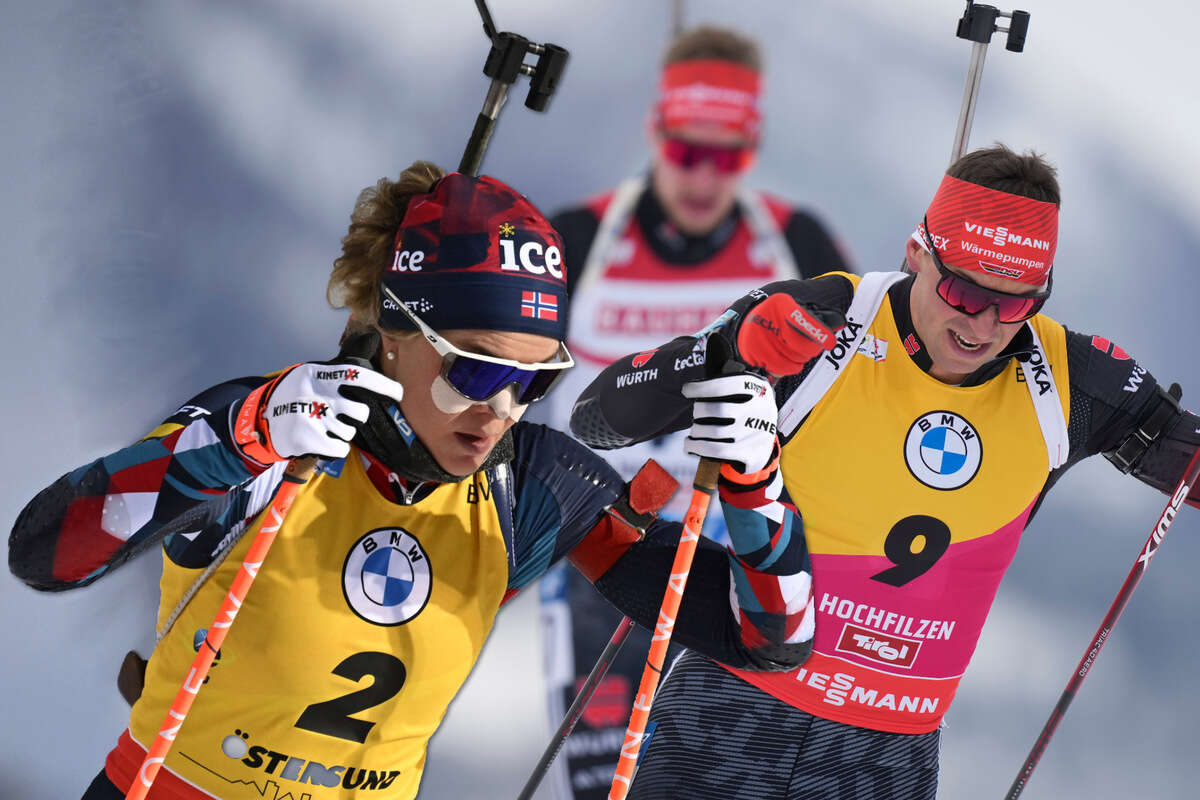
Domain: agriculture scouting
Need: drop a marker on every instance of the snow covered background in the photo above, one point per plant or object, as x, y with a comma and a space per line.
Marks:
177, 176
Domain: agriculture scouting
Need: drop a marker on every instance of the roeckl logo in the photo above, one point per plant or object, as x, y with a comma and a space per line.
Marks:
841, 349
529, 255
815, 332
1164, 522
764, 322
1001, 236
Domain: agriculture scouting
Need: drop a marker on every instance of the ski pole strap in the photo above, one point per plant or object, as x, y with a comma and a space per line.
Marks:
1130, 451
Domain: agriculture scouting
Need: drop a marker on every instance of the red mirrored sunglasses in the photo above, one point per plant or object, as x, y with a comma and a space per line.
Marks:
965, 296
687, 155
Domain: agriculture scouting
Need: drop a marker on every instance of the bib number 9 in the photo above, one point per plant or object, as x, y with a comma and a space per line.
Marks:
928, 535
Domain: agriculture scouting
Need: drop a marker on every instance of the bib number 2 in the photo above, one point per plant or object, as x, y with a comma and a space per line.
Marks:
332, 717
914, 545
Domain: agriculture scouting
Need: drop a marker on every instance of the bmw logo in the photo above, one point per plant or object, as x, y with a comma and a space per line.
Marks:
386, 577
942, 450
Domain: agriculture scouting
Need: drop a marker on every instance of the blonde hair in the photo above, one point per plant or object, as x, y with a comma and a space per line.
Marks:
711, 42
367, 247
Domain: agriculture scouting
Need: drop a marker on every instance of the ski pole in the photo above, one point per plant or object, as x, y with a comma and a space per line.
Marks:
977, 25
624, 628
505, 62
298, 471
703, 486
1140, 566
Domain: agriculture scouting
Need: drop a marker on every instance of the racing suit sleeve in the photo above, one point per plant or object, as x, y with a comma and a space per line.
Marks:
1120, 410
639, 397
730, 611
178, 479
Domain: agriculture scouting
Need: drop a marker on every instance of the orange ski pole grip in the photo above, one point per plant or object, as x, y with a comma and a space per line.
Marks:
703, 487
299, 470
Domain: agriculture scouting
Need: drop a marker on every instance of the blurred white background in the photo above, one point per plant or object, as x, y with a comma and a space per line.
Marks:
177, 176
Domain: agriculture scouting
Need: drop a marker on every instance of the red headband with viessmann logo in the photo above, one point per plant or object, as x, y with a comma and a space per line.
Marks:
985, 230
710, 91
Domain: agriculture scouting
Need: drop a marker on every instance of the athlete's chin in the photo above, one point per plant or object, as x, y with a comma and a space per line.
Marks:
463, 454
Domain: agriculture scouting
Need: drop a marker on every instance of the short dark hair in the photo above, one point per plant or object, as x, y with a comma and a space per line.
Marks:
718, 44
997, 167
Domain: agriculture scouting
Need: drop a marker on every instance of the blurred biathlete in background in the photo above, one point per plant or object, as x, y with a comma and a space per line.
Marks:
430, 508
660, 256
914, 444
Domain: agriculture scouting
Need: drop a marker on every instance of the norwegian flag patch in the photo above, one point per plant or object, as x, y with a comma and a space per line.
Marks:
539, 305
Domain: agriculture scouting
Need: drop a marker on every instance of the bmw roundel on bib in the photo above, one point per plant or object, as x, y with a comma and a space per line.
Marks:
386, 577
942, 450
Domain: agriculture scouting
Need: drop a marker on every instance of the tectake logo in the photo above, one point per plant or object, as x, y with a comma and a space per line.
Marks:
696, 358
1002, 236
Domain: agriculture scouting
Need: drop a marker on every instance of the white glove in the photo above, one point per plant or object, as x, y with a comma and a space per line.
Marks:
733, 420
302, 411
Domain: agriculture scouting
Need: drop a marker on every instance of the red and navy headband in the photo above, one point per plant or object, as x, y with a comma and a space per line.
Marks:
985, 230
475, 254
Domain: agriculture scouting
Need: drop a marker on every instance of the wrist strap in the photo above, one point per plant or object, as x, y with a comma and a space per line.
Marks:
250, 431
748, 478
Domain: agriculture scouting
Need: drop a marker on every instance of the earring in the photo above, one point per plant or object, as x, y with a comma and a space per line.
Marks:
391, 356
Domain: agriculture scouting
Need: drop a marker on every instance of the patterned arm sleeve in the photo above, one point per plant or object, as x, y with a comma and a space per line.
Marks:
102, 514
733, 605
771, 569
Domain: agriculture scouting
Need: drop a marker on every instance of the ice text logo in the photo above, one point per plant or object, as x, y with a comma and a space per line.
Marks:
408, 260
529, 255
